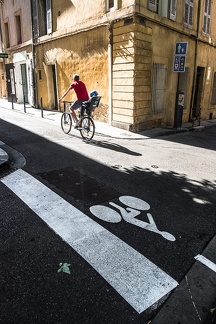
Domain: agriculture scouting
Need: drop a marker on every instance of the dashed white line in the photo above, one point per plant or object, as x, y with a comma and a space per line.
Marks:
139, 281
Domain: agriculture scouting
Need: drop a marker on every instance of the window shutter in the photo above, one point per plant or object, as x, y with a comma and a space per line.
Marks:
190, 17
207, 17
49, 16
158, 87
188, 13
152, 5
173, 4
35, 18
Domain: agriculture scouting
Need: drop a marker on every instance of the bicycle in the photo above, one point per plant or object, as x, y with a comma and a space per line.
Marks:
87, 125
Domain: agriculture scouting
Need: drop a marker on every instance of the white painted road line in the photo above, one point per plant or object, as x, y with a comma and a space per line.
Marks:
206, 262
139, 281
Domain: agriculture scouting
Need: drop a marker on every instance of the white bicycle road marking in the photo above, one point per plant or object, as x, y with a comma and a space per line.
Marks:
138, 280
128, 214
134, 202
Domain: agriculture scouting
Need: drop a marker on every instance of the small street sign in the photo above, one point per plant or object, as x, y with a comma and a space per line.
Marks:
4, 55
179, 63
182, 63
181, 48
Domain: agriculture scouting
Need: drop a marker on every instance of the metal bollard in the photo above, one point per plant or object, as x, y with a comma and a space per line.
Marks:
41, 101
24, 104
12, 101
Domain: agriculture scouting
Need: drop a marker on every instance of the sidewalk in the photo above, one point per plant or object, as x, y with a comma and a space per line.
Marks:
101, 128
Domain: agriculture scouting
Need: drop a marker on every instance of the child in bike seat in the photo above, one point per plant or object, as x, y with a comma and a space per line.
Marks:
87, 103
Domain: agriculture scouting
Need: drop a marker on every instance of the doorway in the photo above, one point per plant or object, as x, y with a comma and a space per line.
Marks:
24, 82
196, 110
11, 89
52, 86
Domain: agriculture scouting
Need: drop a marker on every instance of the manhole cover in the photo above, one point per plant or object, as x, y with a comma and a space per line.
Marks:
79, 186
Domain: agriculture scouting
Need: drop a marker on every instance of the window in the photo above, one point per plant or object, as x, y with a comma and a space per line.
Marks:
7, 38
165, 8
111, 5
152, 5
35, 18
42, 17
49, 16
188, 13
172, 9
213, 98
207, 17
40, 74
158, 87
18, 29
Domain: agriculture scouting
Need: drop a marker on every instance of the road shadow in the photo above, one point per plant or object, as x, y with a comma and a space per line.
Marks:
114, 147
202, 138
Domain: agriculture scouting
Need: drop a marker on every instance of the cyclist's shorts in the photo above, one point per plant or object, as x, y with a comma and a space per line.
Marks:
77, 104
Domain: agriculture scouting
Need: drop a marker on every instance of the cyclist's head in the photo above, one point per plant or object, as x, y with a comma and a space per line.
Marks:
76, 77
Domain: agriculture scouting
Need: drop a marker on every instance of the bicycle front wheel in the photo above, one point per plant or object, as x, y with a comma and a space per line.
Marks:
66, 122
88, 128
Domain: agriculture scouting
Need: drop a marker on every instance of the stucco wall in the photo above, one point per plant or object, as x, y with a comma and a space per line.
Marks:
82, 53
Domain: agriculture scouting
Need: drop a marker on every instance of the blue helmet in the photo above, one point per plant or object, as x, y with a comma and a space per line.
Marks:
93, 93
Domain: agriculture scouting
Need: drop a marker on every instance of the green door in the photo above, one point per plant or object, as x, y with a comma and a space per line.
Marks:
24, 82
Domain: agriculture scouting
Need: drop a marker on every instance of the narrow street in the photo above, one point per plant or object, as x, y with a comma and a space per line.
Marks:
128, 218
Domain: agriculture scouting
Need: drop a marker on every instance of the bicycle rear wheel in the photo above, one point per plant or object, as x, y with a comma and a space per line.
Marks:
66, 122
88, 128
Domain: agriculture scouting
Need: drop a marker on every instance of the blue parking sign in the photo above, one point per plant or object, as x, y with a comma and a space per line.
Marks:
181, 48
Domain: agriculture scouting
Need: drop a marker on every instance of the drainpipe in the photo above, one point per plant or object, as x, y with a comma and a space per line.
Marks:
35, 99
195, 59
2, 45
110, 64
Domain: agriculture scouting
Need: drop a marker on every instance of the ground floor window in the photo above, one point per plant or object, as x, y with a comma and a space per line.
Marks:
158, 87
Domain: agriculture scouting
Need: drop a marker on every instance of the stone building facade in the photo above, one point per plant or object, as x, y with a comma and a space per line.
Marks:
136, 53
16, 40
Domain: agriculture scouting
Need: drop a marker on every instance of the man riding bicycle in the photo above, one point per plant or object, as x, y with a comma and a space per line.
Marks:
82, 95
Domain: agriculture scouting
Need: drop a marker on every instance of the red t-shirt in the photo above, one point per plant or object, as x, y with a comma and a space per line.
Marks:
80, 89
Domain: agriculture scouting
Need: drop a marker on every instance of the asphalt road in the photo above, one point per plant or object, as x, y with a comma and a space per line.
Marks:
129, 216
